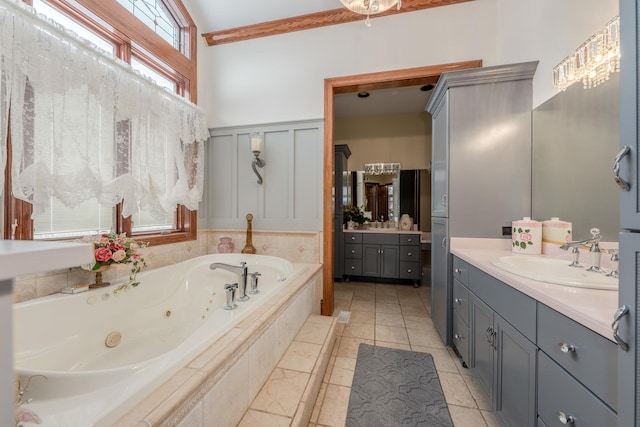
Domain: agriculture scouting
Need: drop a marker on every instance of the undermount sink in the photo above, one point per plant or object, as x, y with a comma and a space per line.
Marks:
556, 271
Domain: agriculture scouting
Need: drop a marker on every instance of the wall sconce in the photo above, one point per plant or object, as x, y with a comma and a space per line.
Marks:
256, 148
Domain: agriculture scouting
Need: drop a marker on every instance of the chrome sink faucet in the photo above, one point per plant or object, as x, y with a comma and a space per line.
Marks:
241, 271
594, 250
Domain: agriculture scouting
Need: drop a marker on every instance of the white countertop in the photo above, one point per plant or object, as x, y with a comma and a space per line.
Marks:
19, 257
591, 308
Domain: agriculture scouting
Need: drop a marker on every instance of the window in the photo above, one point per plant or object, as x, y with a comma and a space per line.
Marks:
157, 37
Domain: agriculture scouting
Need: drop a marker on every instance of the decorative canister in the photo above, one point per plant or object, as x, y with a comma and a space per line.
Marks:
526, 236
556, 231
226, 245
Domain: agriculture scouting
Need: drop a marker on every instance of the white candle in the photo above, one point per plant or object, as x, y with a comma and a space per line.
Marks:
256, 143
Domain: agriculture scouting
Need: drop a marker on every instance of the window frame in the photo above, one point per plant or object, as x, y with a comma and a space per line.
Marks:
131, 38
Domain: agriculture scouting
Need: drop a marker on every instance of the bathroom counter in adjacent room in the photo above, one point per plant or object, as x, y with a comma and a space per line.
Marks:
592, 308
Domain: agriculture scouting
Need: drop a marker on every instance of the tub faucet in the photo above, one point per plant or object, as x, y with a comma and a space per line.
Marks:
231, 296
241, 271
594, 250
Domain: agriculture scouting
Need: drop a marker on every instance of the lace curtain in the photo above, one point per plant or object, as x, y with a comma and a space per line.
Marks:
85, 125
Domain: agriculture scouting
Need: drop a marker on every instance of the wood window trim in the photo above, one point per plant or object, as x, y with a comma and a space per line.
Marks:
115, 23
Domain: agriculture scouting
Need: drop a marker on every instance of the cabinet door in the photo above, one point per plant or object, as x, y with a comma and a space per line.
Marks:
482, 345
390, 261
515, 376
439, 156
371, 260
440, 277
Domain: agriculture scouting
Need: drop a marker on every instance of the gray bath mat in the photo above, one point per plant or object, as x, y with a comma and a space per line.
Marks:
396, 388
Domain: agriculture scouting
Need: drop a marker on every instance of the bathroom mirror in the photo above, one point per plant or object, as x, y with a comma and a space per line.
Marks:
387, 196
576, 136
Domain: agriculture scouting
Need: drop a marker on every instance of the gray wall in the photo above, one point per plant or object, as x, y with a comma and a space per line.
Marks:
576, 136
289, 197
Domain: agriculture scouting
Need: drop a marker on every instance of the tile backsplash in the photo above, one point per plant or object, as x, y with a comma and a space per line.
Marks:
297, 247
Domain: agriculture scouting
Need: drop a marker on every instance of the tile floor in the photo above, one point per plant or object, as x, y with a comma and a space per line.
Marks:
395, 316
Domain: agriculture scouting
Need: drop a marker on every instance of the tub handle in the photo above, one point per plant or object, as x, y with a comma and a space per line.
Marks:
254, 283
231, 289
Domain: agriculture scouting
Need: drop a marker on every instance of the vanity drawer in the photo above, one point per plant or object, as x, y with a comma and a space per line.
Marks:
461, 270
559, 393
461, 301
352, 267
410, 239
353, 237
410, 270
410, 253
592, 359
380, 238
461, 338
352, 250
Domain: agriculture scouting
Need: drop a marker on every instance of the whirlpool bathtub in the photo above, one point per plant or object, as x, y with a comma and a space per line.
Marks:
101, 353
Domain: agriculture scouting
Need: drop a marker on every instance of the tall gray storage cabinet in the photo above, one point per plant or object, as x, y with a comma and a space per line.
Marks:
481, 165
342, 153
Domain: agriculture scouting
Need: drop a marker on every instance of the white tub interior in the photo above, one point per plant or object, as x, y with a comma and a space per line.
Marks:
175, 313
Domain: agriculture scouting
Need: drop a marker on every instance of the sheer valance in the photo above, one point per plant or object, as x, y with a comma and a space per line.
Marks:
85, 125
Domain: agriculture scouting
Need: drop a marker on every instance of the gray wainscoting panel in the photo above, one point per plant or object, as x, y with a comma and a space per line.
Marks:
290, 197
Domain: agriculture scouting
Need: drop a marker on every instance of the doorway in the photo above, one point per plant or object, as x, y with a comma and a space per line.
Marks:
361, 83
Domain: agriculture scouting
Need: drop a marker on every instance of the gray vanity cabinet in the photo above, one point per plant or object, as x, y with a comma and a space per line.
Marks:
380, 255
440, 290
501, 357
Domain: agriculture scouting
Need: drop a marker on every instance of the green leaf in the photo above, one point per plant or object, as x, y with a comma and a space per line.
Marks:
527, 230
523, 245
519, 230
529, 243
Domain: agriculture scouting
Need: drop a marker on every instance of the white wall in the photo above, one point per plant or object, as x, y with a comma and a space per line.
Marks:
548, 31
281, 78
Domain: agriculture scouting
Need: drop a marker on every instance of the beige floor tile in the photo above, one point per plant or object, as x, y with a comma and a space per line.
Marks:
359, 330
340, 329
482, 400
342, 373
422, 323
281, 393
363, 305
327, 373
385, 289
300, 356
393, 345
388, 308
441, 358
458, 362
314, 333
334, 407
414, 311
386, 299
466, 417
491, 419
425, 338
343, 294
349, 347
340, 305
254, 418
388, 319
358, 316
391, 334
455, 390
410, 299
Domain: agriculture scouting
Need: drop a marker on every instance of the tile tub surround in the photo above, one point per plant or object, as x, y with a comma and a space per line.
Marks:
592, 308
296, 247
289, 395
222, 381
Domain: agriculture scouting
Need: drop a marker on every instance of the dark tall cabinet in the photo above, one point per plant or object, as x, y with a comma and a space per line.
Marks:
342, 153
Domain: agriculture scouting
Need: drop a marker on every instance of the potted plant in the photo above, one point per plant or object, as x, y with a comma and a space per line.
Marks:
353, 216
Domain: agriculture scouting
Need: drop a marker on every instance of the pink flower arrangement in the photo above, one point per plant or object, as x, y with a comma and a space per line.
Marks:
112, 248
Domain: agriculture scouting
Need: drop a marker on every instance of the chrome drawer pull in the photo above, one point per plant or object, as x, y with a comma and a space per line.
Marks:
565, 419
624, 185
459, 271
444, 200
618, 315
458, 337
352, 267
566, 347
409, 254
458, 300
409, 271
409, 240
444, 242
352, 251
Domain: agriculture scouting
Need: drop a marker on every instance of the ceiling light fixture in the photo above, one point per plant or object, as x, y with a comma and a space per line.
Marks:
363, 94
593, 61
370, 7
